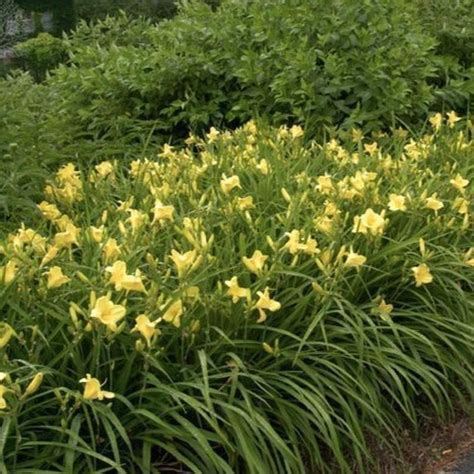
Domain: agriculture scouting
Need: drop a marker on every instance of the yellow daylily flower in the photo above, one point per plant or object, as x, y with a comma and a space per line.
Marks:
436, 121
354, 260
107, 312
146, 327
137, 219
228, 184
461, 205
49, 211
265, 303
256, 262
8, 272
111, 250
371, 148
452, 118
370, 223
50, 255
104, 168
263, 167
184, 261
324, 185
123, 281
67, 238
56, 278
162, 212
97, 233
422, 274
433, 203
93, 390
245, 203
6, 333
235, 291
293, 244
384, 310
397, 202
173, 313
3, 391
459, 182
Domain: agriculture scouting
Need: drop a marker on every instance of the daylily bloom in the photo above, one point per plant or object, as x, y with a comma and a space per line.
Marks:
49, 211
67, 238
397, 202
265, 303
107, 312
354, 260
97, 233
256, 262
137, 219
433, 203
235, 291
50, 255
245, 203
93, 390
422, 274
452, 118
173, 313
8, 272
383, 310
263, 167
104, 168
369, 223
162, 212
324, 185
184, 261
293, 244
459, 182
3, 391
461, 205
111, 250
371, 148
146, 327
56, 278
228, 184
6, 333
436, 121
123, 281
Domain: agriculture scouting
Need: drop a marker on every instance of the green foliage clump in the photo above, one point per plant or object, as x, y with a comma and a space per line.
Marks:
338, 62
41, 54
252, 303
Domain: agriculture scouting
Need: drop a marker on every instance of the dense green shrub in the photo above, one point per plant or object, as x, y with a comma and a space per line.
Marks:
315, 62
40, 54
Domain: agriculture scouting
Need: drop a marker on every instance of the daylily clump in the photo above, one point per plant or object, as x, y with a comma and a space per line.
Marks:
198, 281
